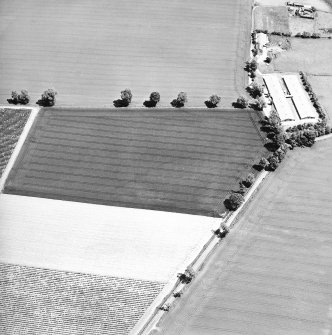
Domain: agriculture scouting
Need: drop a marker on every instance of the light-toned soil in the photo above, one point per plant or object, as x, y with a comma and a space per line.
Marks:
104, 240
40, 301
91, 50
272, 18
273, 275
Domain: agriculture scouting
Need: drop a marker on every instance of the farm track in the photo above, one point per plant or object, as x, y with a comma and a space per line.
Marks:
98, 50
273, 276
182, 161
40, 301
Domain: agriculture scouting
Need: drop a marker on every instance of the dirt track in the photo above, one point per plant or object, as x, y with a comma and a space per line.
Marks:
273, 275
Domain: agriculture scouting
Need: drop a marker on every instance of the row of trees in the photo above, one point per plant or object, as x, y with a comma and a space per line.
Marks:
178, 102
47, 98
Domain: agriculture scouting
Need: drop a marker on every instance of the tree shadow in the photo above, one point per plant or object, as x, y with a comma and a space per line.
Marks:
237, 105
227, 204
120, 103
44, 103
271, 146
209, 104
258, 167
266, 128
149, 103
177, 104
12, 101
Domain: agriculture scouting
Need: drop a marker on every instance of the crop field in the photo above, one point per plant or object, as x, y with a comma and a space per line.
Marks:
41, 301
272, 18
91, 50
274, 274
170, 160
12, 123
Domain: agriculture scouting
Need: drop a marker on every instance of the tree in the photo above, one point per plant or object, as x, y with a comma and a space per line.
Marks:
263, 163
255, 90
23, 97
280, 154
305, 34
14, 99
234, 201
126, 95
125, 100
213, 101
48, 98
155, 97
273, 162
279, 139
253, 65
260, 103
19, 98
180, 100
249, 180
242, 102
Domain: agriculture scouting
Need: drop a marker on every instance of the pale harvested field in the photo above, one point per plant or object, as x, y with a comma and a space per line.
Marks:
40, 301
102, 240
89, 51
274, 274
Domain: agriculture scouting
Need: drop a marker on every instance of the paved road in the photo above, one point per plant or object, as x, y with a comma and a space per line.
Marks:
273, 273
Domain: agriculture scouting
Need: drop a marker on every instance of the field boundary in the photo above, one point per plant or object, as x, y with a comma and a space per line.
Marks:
149, 322
33, 114
322, 138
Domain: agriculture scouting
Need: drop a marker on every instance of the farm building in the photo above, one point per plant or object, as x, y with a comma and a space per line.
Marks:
279, 99
301, 100
289, 98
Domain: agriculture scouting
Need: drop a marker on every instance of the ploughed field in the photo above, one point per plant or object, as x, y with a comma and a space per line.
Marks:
42, 301
12, 123
171, 160
91, 50
274, 274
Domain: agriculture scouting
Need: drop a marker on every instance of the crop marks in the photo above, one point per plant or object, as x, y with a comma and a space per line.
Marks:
170, 160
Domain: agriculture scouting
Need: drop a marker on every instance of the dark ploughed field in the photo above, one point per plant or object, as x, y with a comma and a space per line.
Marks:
170, 160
